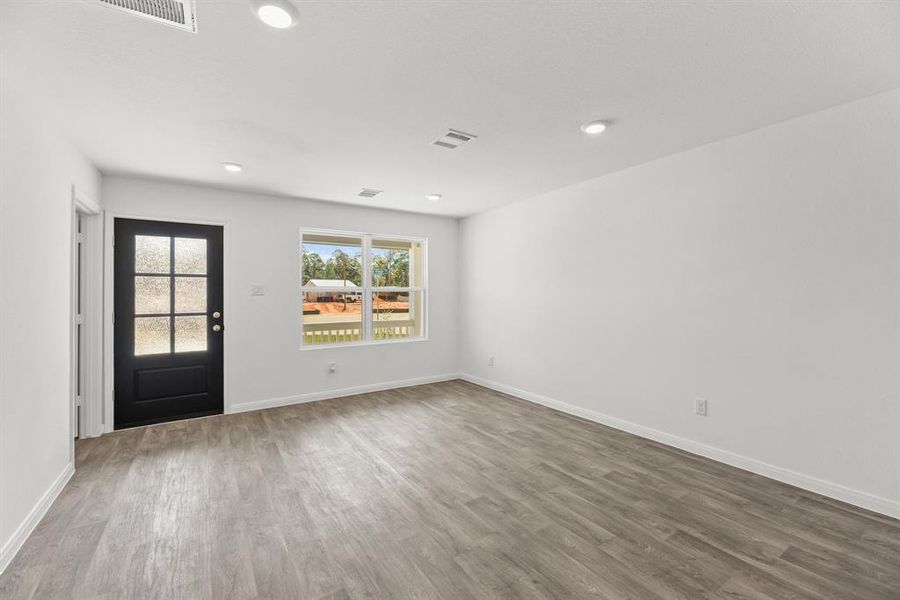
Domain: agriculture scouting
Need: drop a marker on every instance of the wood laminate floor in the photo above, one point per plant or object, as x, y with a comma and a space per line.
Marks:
439, 491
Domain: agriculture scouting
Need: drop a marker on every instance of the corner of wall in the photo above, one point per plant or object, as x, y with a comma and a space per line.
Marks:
11, 547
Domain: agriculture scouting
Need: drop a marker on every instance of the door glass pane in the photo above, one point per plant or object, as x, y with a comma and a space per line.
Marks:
397, 315
190, 256
190, 294
332, 260
151, 295
151, 254
190, 334
396, 263
151, 335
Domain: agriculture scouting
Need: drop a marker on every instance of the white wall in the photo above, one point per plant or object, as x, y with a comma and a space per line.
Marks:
761, 272
38, 167
263, 363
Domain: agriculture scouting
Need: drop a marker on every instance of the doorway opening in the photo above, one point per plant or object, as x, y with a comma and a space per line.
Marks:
78, 348
86, 335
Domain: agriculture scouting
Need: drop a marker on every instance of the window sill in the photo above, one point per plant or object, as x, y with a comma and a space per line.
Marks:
361, 344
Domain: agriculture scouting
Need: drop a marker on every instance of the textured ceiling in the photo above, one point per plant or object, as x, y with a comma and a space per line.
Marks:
354, 94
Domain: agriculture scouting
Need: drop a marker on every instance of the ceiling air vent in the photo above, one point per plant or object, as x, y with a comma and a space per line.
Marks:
368, 193
453, 139
177, 13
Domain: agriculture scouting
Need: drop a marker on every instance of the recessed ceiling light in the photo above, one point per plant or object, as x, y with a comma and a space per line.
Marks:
279, 14
594, 127
233, 167
433, 197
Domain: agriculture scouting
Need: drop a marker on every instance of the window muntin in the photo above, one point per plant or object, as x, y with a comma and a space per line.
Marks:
170, 295
359, 288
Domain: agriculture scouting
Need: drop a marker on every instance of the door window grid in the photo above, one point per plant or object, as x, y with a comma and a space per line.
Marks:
176, 320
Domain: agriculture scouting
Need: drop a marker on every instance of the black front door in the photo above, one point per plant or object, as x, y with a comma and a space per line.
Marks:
168, 321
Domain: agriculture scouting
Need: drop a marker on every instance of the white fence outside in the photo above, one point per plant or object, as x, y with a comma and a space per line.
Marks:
351, 331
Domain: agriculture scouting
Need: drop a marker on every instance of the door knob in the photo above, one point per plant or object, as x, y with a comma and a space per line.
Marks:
217, 327
217, 315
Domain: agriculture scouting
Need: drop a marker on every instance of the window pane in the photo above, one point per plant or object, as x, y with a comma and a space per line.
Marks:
397, 315
190, 294
190, 334
151, 335
332, 261
151, 254
190, 256
151, 295
396, 263
332, 317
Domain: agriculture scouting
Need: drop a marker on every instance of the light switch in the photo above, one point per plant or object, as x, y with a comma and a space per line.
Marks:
257, 290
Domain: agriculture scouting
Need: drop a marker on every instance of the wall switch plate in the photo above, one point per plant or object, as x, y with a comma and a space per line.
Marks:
257, 290
332, 367
491, 361
700, 406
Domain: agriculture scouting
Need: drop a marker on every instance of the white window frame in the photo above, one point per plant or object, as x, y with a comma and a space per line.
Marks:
366, 289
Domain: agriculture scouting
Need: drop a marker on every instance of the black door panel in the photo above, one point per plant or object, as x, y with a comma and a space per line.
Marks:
168, 321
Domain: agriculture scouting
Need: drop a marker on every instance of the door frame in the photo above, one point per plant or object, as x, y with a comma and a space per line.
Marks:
109, 304
92, 313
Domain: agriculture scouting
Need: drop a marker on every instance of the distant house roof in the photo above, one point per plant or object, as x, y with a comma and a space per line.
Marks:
340, 283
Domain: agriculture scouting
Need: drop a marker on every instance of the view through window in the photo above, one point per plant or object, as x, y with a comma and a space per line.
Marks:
360, 288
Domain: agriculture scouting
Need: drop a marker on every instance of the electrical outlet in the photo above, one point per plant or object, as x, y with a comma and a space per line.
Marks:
332, 367
491, 361
700, 406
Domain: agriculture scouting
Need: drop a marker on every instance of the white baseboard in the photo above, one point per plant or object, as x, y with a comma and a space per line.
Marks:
12, 546
338, 393
813, 484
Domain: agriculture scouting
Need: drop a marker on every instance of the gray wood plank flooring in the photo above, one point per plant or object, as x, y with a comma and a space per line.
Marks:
439, 491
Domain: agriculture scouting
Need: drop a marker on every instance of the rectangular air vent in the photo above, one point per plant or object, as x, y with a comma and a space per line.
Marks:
453, 139
368, 193
177, 13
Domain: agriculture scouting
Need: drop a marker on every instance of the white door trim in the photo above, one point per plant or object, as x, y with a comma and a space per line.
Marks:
84, 203
92, 315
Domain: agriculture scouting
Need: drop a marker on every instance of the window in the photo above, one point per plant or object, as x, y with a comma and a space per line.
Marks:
359, 288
